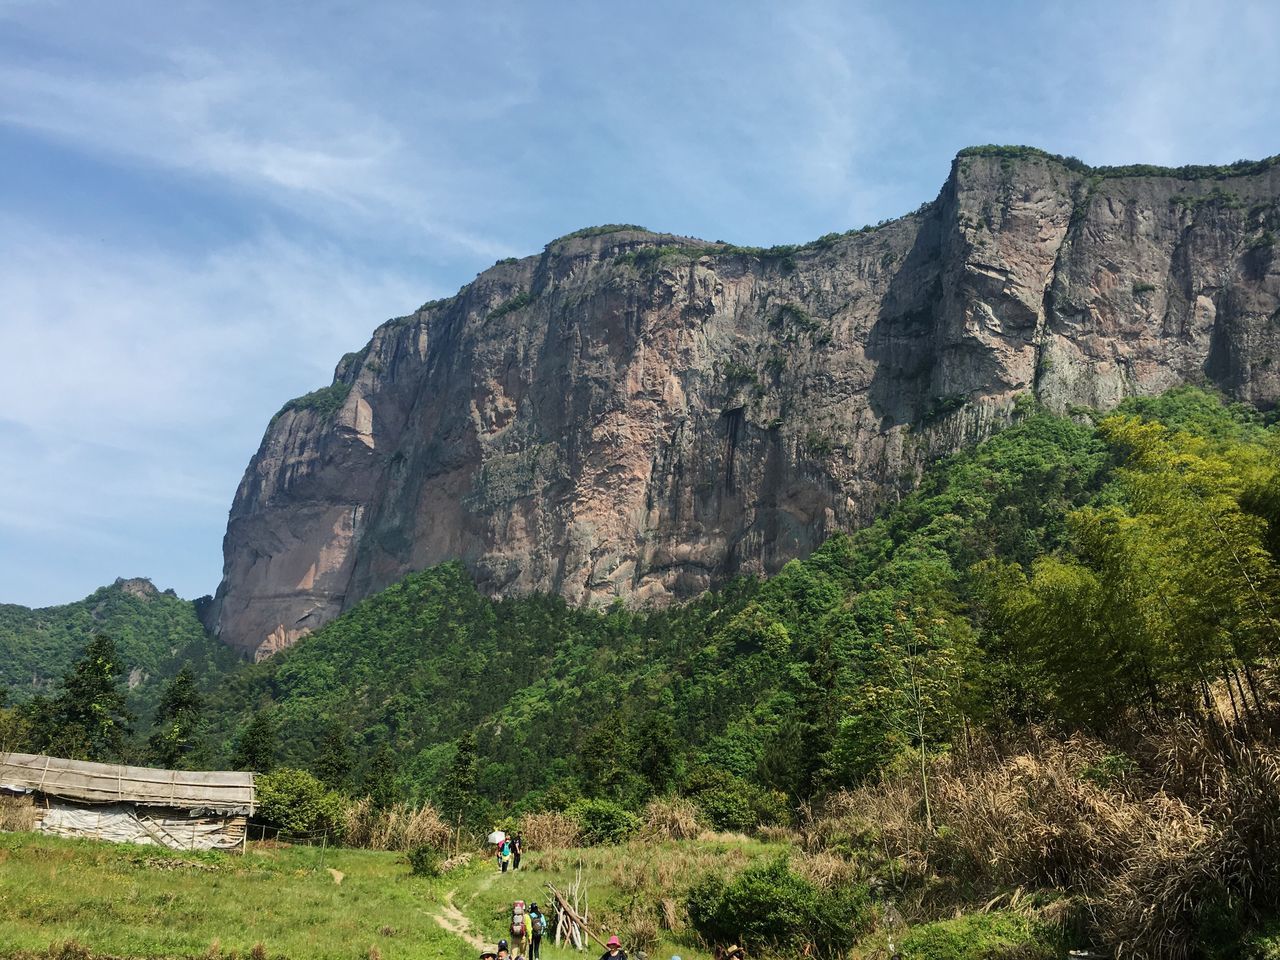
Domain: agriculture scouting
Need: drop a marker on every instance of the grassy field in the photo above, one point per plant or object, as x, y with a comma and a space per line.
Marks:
143, 902
83, 900
623, 882
119, 901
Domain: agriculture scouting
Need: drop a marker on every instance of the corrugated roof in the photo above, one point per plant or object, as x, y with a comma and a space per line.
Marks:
224, 791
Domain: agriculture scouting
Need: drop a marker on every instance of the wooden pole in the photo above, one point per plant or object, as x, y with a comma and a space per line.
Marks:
573, 915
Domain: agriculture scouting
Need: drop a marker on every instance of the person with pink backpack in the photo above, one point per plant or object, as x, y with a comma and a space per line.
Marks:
521, 928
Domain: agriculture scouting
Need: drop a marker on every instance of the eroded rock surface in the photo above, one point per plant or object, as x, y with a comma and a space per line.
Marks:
640, 416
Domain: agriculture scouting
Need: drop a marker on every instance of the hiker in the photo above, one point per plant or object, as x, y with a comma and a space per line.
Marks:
521, 927
504, 951
488, 955
735, 952
537, 927
615, 951
517, 848
504, 855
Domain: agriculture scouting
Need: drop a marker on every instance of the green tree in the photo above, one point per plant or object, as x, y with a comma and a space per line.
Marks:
15, 732
256, 745
88, 719
380, 783
334, 762
457, 794
175, 741
906, 698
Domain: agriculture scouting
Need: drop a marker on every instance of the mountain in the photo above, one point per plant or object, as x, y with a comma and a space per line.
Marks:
643, 416
155, 632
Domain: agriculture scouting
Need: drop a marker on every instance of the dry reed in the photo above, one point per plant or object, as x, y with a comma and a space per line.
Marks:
1151, 854
398, 827
17, 814
670, 818
550, 830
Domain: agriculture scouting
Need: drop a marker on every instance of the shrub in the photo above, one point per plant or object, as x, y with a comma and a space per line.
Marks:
729, 802
425, 862
603, 821
326, 401
298, 803
522, 299
766, 907
818, 444
551, 830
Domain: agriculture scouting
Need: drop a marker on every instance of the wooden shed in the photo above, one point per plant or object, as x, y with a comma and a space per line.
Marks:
182, 809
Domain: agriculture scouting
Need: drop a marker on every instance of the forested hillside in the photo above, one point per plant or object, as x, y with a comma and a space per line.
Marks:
1062, 573
155, 632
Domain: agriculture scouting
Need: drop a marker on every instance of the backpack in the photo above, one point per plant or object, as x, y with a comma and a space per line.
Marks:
539, 923
517, 918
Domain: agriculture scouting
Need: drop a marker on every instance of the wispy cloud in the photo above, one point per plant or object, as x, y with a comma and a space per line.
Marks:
146, 378
282, 132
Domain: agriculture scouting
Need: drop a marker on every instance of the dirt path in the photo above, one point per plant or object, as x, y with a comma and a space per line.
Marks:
455, 921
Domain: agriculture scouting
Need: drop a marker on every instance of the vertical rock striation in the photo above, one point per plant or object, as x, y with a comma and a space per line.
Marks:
639, 416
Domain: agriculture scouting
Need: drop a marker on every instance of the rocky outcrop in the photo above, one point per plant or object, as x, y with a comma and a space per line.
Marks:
139, 587
639, 416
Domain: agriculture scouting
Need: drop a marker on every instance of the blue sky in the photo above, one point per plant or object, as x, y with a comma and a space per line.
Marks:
204, 205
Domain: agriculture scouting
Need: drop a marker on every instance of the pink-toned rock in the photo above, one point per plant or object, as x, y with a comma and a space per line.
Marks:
663, 413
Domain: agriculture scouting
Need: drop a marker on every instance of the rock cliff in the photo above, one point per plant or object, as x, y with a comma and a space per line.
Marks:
637, 415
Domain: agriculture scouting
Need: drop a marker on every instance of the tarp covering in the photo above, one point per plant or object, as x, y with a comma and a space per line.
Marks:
125, 824
220, 791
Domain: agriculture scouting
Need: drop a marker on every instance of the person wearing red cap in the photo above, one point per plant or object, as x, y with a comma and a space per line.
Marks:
615, 951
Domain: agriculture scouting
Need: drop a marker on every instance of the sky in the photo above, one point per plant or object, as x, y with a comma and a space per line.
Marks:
203, 205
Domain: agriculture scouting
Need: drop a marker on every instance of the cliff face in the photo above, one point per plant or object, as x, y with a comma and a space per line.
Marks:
638, 415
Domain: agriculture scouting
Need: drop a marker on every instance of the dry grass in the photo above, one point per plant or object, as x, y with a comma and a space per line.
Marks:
398, 827
549, 831
671, 914
825, 869
639, 932
17, 814
670, 818
781, 835
1151, 852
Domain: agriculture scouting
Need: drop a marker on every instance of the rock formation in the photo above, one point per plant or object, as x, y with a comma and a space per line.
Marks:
639, 416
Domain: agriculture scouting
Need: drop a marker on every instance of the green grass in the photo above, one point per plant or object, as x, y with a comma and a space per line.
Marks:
134, 902
979, 936
122, 901
621, 880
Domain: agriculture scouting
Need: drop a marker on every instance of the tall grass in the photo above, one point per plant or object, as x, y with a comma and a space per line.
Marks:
549, 831
398, 827
1162, 849
670, 818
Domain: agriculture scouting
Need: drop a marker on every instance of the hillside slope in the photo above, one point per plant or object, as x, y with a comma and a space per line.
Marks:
155, 633
764, 682
642, 416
